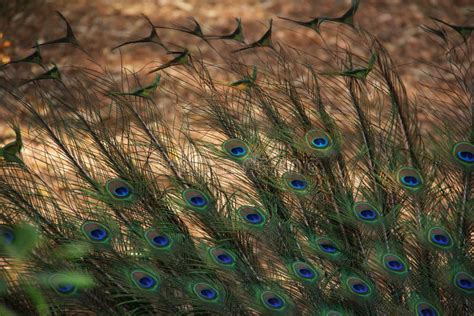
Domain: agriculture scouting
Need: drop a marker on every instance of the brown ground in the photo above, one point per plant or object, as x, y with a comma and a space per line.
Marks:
102, 24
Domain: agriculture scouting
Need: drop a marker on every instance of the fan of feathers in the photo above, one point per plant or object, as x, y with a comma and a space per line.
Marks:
258, 179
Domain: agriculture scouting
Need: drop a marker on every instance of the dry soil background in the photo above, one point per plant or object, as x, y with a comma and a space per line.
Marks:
102, 24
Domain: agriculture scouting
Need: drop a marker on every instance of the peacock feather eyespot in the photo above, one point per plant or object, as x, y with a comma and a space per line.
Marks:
358, 287
7, 235
410, 179
144, 280
394, 264
304, 272
196, 199
426, 309
65, 288
319, 142
296, 182
328, 247
120, 190
222, 257
236, 149
440, 238
464, 282
158, 240
96, 232
61, 284
251, 216
273, 301
463, 153
366, 213
206, 292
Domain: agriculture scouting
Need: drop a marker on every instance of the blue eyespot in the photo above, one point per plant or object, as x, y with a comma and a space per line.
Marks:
61, 284
205, 292
147, 282
8, 237
254, 218
222, 256
306, 273
463, 153
360, 288
466, 284
95, 231
236, 148
368, 214
427, 312
320, 142
298, 184
158, 240
440, 239
275, 302
208, 293
161, 240
238, 151
328, 248
225, 258
198, 201
65, 288
426, 309
98, 234
251, 215
410, 181
463, 281
395, 265
122, 192
466, 156
272, 300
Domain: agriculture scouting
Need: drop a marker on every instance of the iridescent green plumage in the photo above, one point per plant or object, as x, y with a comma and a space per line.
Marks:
313, 24
236, 35
34, 58
348, 17
183, 58
144, 92
196, 30
153, 37
358, 73
464, 31
51, 74
69, 38
246, 82
10, 152
264, 41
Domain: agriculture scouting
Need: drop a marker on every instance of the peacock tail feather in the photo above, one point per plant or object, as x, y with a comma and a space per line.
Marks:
289, 182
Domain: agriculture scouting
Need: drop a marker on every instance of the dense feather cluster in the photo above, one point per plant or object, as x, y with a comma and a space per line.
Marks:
290, 183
